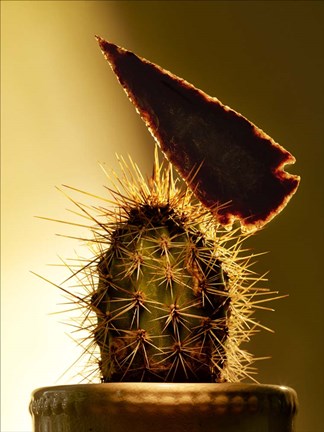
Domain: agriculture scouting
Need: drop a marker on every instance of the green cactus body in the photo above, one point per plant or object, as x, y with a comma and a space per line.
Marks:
169, 293
162, 301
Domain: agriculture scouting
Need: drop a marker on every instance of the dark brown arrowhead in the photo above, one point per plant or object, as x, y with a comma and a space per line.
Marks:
238, 163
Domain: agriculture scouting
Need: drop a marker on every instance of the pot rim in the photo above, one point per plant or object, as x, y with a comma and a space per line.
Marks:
236, 397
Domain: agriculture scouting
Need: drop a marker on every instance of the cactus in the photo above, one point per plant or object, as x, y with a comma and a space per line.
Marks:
171, 294
162, 301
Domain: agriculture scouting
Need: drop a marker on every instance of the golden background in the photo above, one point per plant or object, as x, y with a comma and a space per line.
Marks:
62, 111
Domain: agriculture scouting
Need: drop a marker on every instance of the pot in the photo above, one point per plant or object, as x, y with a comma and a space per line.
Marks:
161, 407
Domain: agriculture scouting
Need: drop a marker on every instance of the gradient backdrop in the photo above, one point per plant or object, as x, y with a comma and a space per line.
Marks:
63, 111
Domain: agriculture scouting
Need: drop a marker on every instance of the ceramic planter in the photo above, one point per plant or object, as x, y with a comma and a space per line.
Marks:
161, 407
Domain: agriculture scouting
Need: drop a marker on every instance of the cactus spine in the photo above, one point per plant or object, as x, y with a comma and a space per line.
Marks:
171, 297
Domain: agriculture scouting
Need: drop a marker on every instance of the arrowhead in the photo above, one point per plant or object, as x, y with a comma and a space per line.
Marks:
234, 162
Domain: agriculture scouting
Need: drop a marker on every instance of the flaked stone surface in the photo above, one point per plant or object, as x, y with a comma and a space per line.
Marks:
234, 168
